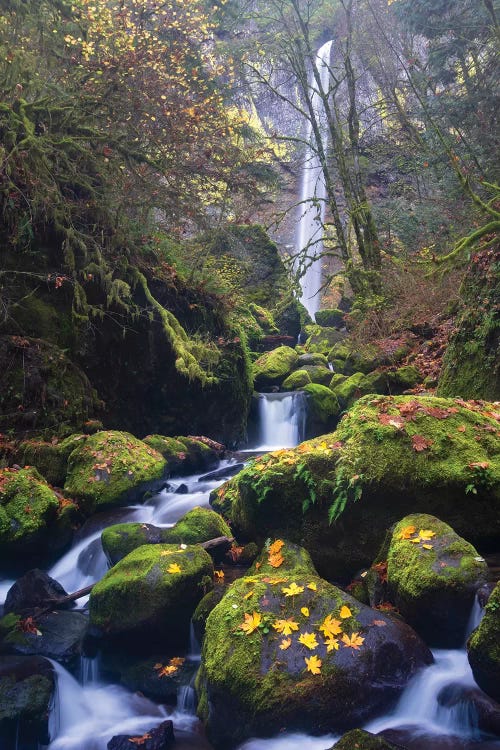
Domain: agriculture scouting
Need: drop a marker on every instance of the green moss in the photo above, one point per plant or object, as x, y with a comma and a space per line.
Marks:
139, 594
336, 380
320, 339
323, 405
197, 525
51, 459
330, 318
294, 561
109, 467
359, 739
170, 448
273, 367
27, 699
318, 374
203, 609
296, 380
339, 351
433, 582
348, 389
312, 358
405, 377
483, 647
28, 508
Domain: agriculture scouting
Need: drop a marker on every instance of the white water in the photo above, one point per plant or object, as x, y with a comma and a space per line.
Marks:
313, 193
282, 420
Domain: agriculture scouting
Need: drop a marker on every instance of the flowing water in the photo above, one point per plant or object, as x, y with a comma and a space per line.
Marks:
282, 420
313, 193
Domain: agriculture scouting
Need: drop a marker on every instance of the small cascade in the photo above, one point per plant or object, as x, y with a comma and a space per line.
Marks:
89, 670
282, 420
313, 192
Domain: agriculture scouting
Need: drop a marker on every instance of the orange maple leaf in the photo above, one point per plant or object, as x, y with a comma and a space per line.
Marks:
251, 622
407, 532
276, 546
285, 643
330, 626
276, 560
355, 641
285, 626
313, 664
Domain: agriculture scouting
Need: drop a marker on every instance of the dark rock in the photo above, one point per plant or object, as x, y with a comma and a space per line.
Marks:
26, 693
484, 593
486, 709
358, 739
155, 739
62, 635
34, 589
227, 471
483, 648
182, 489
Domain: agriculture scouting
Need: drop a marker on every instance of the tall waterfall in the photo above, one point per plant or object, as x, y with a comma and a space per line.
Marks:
313, 191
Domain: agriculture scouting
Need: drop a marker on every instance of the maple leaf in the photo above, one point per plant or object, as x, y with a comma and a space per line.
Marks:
276, 546
379, 623
285, 643
313, 664
305, 611
381, 569
308, 640
332, 644
427, 546
219, 574
174, 568
169, 669
392, 421
292, 590
251, 623
345, 612
312, 586
285, 626
407, 532
140, 740
330, 626
355, 641
276, 560
426, 534
177, 661
419, 443
247, 596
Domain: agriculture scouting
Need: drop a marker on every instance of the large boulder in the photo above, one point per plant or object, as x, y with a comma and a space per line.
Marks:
323, 408
55, 635
26, 694
273, 367
151, 593
296, 380
34, 519
51, 459
186, 455
197, 525
338, 494
432, 578
111, 468
287, 652
34, 589
483, 648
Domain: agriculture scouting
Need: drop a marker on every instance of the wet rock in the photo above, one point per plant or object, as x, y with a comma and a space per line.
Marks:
34, 589
182, 489
159, 677
159, 738
484, 593
358, 739
483, 648
273, 367
225, 472
485, 710
26, 692
57, 635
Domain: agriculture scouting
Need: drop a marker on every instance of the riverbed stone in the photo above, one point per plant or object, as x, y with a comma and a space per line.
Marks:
34, 589
26, 692
359, 739
483, 648
296, 380
111, 468
318, 374
273, 367
338, 494
151, 593
159, 738
432, 578
55, 635
254, 665
323, 408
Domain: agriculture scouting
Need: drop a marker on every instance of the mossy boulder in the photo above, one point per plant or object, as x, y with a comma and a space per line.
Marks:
34, 520
259, 672
200, 615
172, 450
336, 380
330, 318
323, 408
359, 739
51, 459
26, 694
349, 389
312, 358
152, 592
321, 339
159, 676
432, 578
318, 374
197, 525
296, 380
390, 456
291, 559
273, 367
483, 648
403, 378
110, 468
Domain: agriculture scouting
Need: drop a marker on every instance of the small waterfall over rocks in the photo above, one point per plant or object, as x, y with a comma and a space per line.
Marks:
282, 420
313, 193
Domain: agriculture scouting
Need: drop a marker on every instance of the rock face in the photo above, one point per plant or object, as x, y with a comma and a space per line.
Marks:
483, 648
432, 578
338, 494
26, 691
151, 593
289, 651
109, 468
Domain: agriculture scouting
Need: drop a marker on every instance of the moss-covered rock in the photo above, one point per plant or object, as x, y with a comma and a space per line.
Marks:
330, 318
33, 518
432, 578
483, 648
312, 358
403, 378
200, 615
296, 380
259, 672
336, 380
318, 374
291, 560
152, 592
321, 339
323, 408
51, 459
110, 468
471, 366
359, 739
197, 525
273, 367
26, 694
172, 450
338, 494
349, 389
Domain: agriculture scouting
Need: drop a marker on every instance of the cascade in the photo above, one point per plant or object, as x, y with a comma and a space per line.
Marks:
313, 192
282, 420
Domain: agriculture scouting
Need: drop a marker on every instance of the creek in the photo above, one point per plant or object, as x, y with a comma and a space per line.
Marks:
89, 710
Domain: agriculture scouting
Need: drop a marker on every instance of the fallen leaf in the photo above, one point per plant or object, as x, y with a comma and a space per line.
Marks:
285, 626
462, 428
312, 586
276, 560
308, 640
407, 532
247, 596
173, 568
219, 574
419, 443
285, 643
379, 623
292, 590
426, 534
305, 611
313, 664
427, 546
251, 623
354, 641
330, 626
332, 644
276, 546
345, 612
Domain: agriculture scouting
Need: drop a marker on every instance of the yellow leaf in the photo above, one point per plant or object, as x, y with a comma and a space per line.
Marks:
345, 612
312, 586
247, 596
407, 532
274, 581
285, 626
166, 552
165, 671
331, 644
276, 560
173, 568
305, 611
426, 534
355, 641
416, 540
285, 643
427, 546
177, 661
276, 546
330, 627
313, 664
251, 623
292, 590
219, 574
308, 640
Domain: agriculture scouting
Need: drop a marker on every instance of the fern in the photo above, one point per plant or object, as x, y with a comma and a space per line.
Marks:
303, 473
344, 490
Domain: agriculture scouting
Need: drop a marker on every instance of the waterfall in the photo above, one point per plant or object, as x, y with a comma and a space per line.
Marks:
313, 192
282, 420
